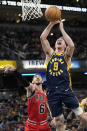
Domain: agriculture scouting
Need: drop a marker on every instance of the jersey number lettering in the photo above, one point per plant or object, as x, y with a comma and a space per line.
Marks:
55, 66
42, 108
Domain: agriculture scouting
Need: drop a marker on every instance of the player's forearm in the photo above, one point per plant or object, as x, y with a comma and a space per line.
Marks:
67, 38
46, 32
30, 90
30, 93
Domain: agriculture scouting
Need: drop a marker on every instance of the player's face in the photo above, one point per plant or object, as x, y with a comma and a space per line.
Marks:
60, 44
37, 79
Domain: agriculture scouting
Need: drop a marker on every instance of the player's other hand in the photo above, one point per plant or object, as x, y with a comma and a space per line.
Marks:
31, 87
9, 68
60, 22
61, 25
52, 123
55, 22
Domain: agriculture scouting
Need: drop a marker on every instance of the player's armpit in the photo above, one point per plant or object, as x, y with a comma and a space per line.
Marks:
69, 51
68, 54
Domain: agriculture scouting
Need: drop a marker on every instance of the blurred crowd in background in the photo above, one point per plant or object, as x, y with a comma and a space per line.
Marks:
21, 41
13, 112
76, 3
24, 43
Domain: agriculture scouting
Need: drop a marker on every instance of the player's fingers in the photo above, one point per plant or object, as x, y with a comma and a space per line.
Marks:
53, 123
9, 68
6, 69
55, 22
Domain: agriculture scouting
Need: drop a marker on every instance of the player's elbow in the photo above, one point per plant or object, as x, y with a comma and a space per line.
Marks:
42, 37
72, 46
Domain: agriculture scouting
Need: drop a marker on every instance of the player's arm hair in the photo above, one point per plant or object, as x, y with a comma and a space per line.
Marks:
30, 90
70, 44
45, 43
49, 112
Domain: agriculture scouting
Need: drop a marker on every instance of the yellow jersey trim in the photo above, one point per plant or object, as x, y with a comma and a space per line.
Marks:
52, 56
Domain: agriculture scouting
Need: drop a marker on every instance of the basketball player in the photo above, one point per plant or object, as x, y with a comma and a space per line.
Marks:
58, 77
37, 105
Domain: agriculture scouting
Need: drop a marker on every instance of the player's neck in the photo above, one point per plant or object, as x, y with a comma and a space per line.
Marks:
39, 87
59, 51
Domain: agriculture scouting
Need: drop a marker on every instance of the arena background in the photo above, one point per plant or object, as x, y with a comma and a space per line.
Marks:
20, 41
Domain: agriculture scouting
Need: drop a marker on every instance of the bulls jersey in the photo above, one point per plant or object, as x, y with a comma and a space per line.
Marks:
58, 71
37, 109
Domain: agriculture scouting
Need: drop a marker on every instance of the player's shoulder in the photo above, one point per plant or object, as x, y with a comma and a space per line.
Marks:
48, 57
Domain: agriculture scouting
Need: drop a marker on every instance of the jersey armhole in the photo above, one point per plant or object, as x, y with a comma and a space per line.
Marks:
32, 94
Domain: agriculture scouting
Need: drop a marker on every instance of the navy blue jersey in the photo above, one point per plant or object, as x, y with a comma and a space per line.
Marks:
58, 72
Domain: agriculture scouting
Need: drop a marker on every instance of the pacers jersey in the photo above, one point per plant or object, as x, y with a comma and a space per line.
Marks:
58, 71
37, 109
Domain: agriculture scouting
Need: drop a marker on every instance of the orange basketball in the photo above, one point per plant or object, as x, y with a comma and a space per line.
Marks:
53, 13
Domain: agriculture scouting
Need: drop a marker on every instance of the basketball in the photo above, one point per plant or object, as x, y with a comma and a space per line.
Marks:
52, 13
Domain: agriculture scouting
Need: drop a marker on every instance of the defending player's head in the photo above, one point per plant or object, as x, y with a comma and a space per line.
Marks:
60, 44
37, 79
36, 82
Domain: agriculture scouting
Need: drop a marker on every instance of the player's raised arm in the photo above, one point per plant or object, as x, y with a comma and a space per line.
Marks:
30, 90
45, 43
70, 48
